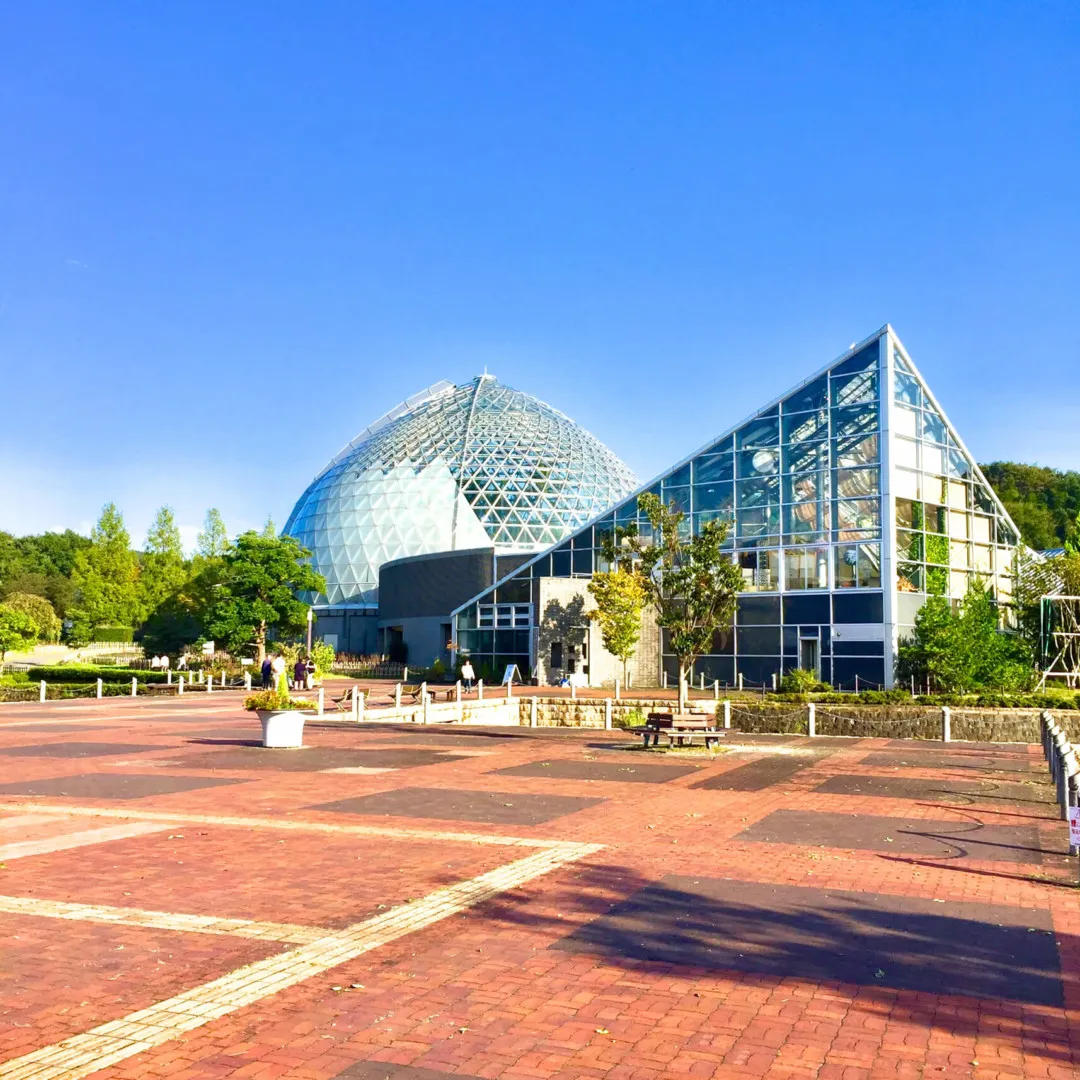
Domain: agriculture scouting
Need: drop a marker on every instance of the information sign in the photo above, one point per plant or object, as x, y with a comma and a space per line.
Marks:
1074, 826
510, 674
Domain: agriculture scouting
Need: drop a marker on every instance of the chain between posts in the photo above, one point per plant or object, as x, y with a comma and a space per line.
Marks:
1064, 770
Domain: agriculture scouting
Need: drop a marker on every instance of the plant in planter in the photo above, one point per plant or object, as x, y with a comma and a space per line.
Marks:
282, 717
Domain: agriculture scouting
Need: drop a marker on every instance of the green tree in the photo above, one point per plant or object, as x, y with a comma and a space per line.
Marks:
269, 529
162, 570
105, 576
258, 592
620, 596
960, 648
213, 540
1042, 502
17, 630
690, 580
39, 611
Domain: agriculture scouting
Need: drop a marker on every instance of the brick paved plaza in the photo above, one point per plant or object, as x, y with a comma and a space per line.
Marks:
417, 903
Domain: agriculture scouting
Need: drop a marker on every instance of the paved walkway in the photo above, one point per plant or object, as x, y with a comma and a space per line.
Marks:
420, 903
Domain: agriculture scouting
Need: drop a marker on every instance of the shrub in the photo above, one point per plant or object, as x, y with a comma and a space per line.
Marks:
119, 634
276, 701
801, 681
81, 673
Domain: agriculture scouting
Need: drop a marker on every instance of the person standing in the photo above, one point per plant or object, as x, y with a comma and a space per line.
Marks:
299, 674
468, 675
277, 671
267, 667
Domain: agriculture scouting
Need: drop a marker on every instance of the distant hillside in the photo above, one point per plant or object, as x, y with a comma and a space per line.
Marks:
1043, 502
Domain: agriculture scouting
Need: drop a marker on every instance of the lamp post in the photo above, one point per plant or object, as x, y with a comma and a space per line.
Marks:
310, 617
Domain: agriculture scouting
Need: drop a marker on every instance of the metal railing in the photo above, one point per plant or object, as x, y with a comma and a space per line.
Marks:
1064, 768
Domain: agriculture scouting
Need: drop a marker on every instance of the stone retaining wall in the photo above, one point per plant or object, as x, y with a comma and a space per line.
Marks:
861, 721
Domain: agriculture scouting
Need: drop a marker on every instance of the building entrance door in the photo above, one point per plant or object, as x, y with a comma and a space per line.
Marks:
810, 656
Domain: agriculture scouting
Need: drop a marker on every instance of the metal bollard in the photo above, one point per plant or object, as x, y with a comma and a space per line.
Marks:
99, 688
716, 689
811, 720
134, 687
740, 680
247, 681
180, 687
168, 677
727, 712
479, 689
210, 683
946, 724
1074, 800
358, 705
41, 691
607, 714
397, 696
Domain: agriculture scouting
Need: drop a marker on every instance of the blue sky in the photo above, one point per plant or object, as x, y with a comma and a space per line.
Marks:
231, 235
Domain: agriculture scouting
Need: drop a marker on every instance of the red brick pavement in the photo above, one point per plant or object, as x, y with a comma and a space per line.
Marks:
484, 992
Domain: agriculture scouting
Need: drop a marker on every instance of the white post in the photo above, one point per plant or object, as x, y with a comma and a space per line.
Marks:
397, 696
479, 689
727, 713
247, 681
405, 674
99, 688
811, 721
180, 686
774, 680
856, 683
607, 714
322, 701
424, 700
210, 683
134, 687
663, 680
573, 691
616, 689
946, 724
740, 680
457, 691
510, 691
716, 689
358, 705
168, 677
629, 679
41, 691
532, 712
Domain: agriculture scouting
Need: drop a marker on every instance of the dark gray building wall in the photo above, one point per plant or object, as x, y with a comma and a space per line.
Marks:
348, 630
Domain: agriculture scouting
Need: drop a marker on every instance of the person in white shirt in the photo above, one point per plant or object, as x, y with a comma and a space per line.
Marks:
277, 666
467, 675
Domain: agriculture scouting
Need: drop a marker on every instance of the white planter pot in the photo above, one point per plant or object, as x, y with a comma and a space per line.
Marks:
283, 729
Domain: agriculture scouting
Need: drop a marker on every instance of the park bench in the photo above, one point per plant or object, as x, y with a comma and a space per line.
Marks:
343, 702
682, 736
413, 692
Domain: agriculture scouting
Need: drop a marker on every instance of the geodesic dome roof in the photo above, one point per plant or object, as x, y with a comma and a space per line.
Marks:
455, 467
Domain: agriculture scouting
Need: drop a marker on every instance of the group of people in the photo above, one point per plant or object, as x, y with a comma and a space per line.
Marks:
273, 669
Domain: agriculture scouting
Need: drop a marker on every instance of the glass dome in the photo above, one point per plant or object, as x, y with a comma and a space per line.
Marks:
453, 468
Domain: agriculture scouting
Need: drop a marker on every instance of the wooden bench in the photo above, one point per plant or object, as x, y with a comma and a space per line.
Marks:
343, 702
681, 736
412, 691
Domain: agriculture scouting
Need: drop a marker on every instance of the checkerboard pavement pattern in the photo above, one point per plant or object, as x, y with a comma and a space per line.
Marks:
335, 920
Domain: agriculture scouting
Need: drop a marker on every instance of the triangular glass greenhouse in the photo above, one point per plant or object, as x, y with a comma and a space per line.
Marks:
852, 498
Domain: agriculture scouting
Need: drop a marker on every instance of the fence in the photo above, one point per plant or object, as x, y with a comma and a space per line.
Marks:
1064, 769
359, 670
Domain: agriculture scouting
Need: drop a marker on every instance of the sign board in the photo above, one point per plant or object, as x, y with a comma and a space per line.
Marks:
1074, 826
208, 648
510, 674
245, 661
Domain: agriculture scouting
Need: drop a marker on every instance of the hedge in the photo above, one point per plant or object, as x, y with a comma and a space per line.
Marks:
79, 673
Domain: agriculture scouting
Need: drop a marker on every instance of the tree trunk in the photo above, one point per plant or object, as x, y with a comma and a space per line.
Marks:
260, 641
683, 671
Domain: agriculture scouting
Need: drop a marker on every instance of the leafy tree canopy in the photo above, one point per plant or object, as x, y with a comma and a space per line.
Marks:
257, 595
105, 577
17, 630
960, 649
690, 580
213, 541
1043, 502
162, 569
39, 611
620, 597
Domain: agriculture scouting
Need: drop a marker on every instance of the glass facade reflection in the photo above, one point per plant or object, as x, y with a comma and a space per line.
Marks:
838, 542
456, 467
